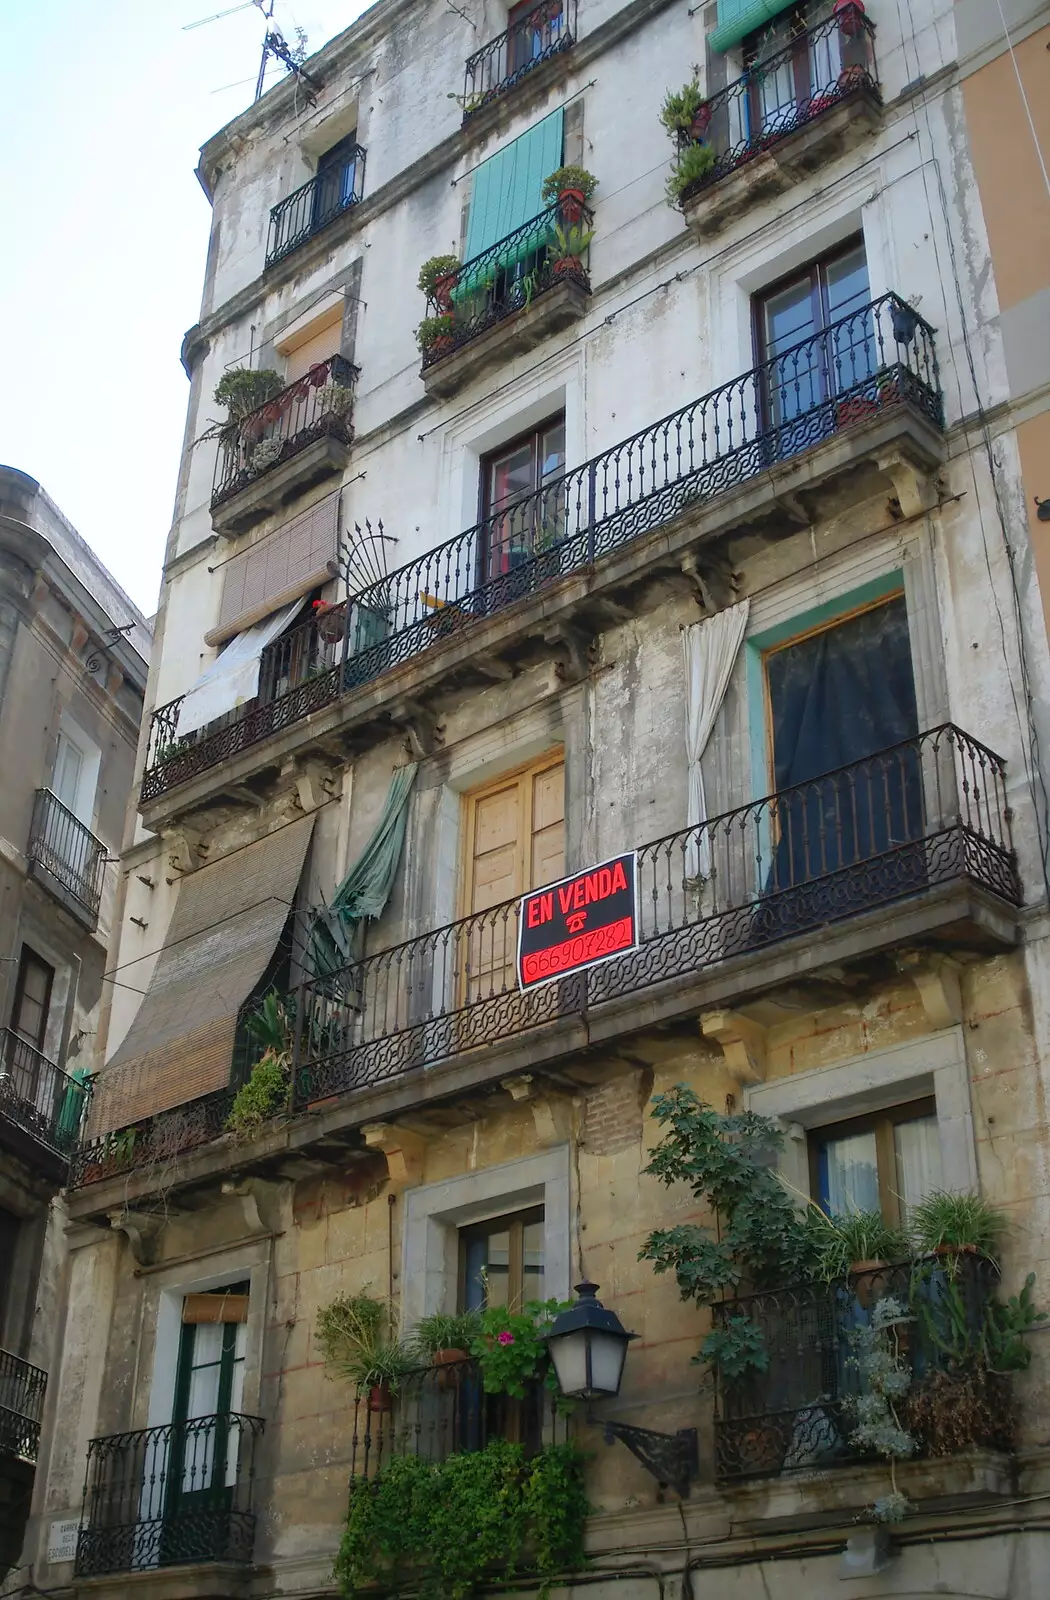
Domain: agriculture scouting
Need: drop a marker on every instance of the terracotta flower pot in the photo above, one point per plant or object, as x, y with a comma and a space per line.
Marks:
440, 346
443, 287
570, 267
849, 15
865, 1286
851, 78
447, 1363
379, 1396
571, 203
701, 122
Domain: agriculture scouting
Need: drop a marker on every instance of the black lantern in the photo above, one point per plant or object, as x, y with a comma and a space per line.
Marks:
587, 1345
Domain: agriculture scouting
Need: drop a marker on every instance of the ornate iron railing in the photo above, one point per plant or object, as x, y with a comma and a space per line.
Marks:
69, 852
38, 1096
165, 1496
506, 278
436, 1412
298, 674
798, 1413
544, 32
880, 357
315, 406
152, 1142
821, 67
312, 207
930, 810
21, 1406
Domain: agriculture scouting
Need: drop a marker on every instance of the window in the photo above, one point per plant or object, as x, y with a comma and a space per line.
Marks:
32, 998
501, 1262
319, 342
807, 351
337, 180
515, 841
534, 31
69, 764
506, 189
887, 1162
521, 521
10, 1227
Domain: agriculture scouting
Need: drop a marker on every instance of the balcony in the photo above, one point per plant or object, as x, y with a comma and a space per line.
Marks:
67, 858
798, 1413
169, 1496
541, 35
41, 1108
787, 116
857, 404
284, 447
309, 209
21, 1407
298, 674
506, 300
157, 1139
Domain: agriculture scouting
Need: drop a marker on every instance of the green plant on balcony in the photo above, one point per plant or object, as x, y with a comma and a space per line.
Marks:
950, 1224
735, 1348
510, 1347
854, 1241
242, 390
355, 1337
269, 1031
567, 250
681, 108
437, 278
448, 1332
692, 164
885, 1378
571, 187
435, 335
475, 1520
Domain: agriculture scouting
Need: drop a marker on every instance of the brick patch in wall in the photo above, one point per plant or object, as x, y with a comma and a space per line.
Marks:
614, 1113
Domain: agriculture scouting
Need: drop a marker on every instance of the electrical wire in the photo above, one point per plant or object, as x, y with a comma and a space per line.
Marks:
1024, 96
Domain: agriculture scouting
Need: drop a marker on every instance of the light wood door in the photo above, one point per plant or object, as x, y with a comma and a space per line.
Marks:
515, 834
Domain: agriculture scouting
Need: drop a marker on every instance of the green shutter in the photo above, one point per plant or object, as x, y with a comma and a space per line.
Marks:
506, 189
736, 18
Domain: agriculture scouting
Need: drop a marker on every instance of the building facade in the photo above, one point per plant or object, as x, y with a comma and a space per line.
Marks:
73, 654
657, 536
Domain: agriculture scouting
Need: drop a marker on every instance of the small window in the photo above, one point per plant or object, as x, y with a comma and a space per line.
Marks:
520, 520
337, 185
32, 998
501, 1261
886, 1162
534, 31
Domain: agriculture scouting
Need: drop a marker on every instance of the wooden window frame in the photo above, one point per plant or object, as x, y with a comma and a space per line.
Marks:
29, 955
532, 436
751, 56
883, 1124
514, 1222
534, 768
816, 270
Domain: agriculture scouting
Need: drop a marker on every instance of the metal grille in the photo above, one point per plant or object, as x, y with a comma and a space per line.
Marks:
317, 406
21, 1406
930, 810
436, 1412
822, 67
174, 1494
155, 1141
797, 1413
312, 207
38, 1096
67, 851
878, 358
544, 32
505, 278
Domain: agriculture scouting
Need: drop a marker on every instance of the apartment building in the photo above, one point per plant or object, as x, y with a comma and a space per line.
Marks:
73, 654
585, 490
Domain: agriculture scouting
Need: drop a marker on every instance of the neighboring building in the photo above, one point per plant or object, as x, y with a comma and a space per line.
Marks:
73, 654
682, 541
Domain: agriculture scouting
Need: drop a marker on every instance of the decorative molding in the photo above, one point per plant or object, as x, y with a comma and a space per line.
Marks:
140, 1228
937, 979
404, 1152
743, 1043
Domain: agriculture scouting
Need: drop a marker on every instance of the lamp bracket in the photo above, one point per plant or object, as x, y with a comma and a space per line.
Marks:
672, 1458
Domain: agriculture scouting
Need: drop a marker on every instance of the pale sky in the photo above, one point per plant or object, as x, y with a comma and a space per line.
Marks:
103, 236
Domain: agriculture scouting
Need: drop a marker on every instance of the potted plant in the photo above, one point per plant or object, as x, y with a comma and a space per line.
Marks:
856, 1244
946, 1224
435, 336
683, 110
690, 167
242, 390
353, 1335
445, 1339
510, 1346
567, 251
571, 187
437, 279
330, 617
849, 14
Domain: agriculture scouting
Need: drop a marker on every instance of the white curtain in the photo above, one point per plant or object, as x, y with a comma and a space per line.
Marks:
233, 677
711, 648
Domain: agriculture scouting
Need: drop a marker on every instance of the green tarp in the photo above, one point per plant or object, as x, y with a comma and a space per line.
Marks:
366, 888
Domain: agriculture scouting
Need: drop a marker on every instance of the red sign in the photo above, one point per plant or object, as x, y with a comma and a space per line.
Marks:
578, 922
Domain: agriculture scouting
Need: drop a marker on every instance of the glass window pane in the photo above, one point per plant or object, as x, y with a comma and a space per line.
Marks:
474, 1287
511, 477
917, 1145
848, 292
795, 378
552, 452
532, 1261
498, 1268
849, 1174
847, 283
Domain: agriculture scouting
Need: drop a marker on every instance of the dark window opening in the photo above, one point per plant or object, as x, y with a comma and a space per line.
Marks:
32, 998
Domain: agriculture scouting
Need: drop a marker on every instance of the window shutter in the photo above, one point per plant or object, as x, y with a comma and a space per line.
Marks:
506, 190
277, 570
737, 18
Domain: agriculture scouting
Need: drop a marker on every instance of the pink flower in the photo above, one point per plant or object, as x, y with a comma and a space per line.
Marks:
505, 1337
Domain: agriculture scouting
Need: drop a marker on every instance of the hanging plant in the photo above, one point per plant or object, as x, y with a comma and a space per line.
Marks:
688, 170
242, 390
681, 108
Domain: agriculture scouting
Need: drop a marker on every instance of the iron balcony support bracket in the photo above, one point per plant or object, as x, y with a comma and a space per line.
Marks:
672, 1458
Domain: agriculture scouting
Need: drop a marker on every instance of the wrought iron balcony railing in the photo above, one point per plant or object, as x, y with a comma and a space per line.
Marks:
21, 1406
152, 1142
436, 1412
166, 1496
880, 357
312, 207
316, 406
797, 1413
298, 673
37, 1096
929, 811
505, 278
499, 66
821, 67
68, 851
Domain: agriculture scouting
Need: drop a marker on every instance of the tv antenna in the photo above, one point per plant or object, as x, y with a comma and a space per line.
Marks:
275, 45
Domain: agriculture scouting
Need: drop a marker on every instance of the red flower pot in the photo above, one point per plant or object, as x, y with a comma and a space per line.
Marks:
440, 346
448, 1363
849, 15
701, 122
379, 1397
570, 267
571, 203
443, 288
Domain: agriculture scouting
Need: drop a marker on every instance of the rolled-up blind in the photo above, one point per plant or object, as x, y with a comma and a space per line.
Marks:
506, 189
737, 18
278, 569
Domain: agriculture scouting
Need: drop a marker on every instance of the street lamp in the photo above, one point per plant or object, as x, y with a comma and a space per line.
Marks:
588, 1345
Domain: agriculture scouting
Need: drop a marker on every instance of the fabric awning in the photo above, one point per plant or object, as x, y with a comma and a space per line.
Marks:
227, 921
738, 18
233, 678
